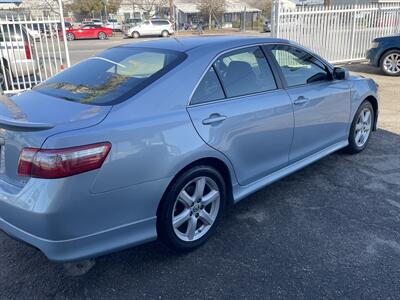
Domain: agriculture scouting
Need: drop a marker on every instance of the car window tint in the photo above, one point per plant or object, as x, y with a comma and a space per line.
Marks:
299, 67
209, 89
12, 33
159, 23
112, 76
245, 71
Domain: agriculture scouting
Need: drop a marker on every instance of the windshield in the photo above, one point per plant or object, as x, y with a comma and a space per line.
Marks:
111, 77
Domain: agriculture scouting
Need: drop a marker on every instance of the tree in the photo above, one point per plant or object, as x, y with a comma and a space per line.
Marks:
265, 5
211, 9
85, 7
113, 6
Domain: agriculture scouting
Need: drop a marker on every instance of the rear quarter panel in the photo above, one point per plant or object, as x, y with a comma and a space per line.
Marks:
152, 134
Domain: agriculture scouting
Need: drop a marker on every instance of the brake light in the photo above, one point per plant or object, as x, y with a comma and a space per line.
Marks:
27, 51
60, 163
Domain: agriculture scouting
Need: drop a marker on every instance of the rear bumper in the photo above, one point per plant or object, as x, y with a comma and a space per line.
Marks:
69, 224
88, 246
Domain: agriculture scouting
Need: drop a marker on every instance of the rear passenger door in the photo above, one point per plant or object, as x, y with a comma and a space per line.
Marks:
240, 110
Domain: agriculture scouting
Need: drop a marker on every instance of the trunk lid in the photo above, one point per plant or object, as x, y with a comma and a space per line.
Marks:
28, 119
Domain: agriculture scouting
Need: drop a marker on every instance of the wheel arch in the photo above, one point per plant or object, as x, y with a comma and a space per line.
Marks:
214, 162
374, 102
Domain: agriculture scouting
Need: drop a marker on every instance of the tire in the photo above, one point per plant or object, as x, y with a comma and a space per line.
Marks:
165, 33
135, 35
102, 35
390, 63
6, 77
199, 215
361, 129
70, 37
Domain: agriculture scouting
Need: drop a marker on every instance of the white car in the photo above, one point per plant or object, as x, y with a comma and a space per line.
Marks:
18, 58
114, 25
97, 22
158, 27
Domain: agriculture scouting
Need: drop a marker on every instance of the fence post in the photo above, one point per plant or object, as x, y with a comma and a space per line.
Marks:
275, 17
353, 31
64, 33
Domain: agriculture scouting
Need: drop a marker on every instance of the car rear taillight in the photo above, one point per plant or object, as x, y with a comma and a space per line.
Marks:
59, 163
27, 50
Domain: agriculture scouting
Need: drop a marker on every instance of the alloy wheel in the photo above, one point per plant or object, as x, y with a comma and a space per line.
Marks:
196, 209
363, 127
391, 63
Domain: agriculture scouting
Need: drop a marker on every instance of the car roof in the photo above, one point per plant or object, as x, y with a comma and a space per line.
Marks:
219, 43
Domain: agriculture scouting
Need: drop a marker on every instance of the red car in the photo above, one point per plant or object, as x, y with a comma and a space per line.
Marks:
89, 32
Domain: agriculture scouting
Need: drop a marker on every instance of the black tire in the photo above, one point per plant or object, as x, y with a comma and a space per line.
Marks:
165, 229
102, 35
70, 37
353, 148
135, 35
5, 80
384, 57
165, 33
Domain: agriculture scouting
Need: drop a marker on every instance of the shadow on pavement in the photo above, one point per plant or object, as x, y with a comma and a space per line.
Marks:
331, 230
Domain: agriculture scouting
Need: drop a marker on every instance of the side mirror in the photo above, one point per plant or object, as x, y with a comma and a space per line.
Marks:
340, 73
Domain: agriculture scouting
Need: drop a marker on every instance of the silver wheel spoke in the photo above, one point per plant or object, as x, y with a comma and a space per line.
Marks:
185, 199
358, 137
199, 191
191, 229
180, 219
366, 116
359, 126
209, 198
206, 218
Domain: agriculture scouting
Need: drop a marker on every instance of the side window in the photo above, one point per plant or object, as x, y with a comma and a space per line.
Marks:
245, 71
299, 67
209, 89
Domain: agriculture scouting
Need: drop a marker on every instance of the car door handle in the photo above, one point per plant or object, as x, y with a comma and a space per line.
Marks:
214, 118
301, 100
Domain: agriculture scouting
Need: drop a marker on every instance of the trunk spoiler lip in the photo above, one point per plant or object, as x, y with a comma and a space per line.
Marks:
22, 125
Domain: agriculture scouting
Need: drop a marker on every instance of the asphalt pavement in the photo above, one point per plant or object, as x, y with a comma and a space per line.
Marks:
329, 231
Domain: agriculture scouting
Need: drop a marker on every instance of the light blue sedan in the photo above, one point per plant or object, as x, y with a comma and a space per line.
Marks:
155, 139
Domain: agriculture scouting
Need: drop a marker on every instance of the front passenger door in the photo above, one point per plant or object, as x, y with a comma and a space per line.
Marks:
321, 104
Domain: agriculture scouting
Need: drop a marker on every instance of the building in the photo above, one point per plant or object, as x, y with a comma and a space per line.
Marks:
235, 12
34, 8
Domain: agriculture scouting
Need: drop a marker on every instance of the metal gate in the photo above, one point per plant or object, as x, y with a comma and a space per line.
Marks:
338, 33
31, 50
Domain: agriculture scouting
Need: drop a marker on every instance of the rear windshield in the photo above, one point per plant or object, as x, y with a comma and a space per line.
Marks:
111, 77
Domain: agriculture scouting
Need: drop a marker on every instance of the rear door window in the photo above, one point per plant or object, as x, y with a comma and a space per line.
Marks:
209, 89
112, 76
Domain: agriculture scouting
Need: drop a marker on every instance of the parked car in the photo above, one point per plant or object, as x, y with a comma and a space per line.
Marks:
155, 139
114, 25
155, 27
17, 60
97, 22
89, 32
385, 54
